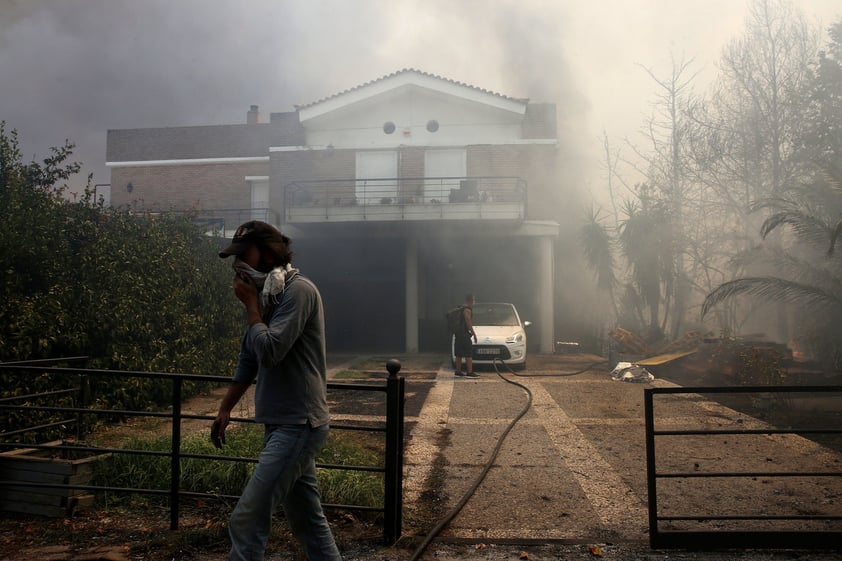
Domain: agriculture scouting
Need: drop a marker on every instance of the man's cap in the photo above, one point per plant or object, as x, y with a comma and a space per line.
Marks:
254, 232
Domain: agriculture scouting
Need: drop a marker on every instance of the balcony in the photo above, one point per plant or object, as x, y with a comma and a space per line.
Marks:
405, 199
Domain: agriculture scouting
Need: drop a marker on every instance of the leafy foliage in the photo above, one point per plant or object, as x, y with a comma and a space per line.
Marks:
598, 247
746, 363
131, 291
741, 194
809, 276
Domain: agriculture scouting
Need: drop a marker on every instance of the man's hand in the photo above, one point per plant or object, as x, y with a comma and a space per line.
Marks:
245, 290
218, 430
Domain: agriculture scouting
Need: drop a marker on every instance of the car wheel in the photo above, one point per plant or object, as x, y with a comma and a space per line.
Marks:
519, 367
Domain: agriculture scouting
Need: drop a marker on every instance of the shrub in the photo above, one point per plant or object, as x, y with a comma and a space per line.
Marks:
129, 290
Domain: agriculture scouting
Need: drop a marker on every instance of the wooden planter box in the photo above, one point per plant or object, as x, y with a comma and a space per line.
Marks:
62, 467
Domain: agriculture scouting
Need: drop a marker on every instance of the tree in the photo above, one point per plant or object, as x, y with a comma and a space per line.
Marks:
131, 291
809, 269
668, 175
598, 246
650, 231
823, 120
646, 241
810, 275
710, 160
749, 141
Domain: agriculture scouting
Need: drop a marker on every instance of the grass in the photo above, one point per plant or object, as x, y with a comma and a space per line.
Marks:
135, 522
226, 477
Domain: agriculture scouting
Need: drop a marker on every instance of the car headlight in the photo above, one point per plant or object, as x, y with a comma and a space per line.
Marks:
515, 338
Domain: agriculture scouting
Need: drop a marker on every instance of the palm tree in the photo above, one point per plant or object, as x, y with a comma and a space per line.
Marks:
598, 247
810, 272
646, 242
837, 231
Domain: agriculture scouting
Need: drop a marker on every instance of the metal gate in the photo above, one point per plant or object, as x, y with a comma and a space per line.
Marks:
730, 478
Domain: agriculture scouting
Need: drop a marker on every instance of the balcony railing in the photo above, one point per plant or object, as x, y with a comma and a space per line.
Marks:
397, 199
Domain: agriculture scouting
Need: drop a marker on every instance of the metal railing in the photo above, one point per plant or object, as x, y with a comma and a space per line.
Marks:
794, 511
407, 198
392, 429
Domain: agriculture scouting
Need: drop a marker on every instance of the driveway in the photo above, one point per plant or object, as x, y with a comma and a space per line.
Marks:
570, 474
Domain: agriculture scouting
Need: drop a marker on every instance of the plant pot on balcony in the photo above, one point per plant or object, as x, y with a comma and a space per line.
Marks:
37, 465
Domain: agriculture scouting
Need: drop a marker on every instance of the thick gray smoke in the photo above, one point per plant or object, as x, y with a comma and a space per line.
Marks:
76, 68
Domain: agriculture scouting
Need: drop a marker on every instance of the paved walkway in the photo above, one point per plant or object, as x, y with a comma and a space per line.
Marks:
550, 480
570, 473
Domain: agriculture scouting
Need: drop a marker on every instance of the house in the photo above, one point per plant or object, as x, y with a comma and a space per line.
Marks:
400, 195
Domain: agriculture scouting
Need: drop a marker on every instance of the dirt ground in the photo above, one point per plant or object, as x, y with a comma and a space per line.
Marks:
606, 414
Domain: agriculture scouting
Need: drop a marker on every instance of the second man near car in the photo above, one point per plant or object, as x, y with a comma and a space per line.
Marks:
464, 338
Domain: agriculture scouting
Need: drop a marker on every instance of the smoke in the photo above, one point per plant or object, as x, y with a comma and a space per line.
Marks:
76, 68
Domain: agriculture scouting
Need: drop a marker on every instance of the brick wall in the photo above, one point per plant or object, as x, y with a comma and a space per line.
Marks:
536, 164
547, 195
207, 186
411, 165
495, 160
289, 167
223, 186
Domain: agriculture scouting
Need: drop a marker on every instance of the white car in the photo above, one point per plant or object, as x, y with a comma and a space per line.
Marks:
500, 335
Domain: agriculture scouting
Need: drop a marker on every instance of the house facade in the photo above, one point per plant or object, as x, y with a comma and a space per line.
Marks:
400, 195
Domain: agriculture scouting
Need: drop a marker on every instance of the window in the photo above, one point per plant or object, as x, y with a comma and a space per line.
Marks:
444, 170
259, 197
377, 174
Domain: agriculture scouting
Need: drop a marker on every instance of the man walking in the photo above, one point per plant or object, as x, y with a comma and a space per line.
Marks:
284, 349
462, 345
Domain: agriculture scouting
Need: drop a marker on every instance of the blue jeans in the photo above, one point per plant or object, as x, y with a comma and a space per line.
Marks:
285, 475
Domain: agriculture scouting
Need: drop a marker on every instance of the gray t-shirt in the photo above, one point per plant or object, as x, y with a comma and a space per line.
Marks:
287, 356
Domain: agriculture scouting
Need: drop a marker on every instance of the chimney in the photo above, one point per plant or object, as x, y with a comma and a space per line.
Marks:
253, 116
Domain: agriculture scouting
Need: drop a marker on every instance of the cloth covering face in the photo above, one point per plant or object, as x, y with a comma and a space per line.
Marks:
271, 285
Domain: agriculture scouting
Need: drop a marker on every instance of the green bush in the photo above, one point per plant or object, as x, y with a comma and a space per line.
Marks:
130, 290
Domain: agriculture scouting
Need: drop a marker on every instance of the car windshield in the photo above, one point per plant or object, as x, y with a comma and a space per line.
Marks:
494, 314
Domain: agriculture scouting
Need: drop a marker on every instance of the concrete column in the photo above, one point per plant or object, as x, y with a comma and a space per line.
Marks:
546, 282
411, 304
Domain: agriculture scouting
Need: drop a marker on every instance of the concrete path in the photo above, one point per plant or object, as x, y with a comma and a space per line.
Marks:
549, 480
573, 468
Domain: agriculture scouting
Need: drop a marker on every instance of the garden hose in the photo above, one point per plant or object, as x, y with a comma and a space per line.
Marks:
463, 501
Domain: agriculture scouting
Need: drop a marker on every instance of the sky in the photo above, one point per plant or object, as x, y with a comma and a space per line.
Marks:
73, 69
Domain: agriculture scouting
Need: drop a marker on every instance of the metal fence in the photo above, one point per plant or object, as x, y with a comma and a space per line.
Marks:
729, 479
406, 198
391, 427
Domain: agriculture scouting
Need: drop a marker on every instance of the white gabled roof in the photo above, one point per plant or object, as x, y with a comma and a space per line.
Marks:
410, 77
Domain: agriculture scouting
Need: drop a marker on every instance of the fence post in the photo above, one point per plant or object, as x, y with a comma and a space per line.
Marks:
84, 400
651, 471
175, 454
394, 454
